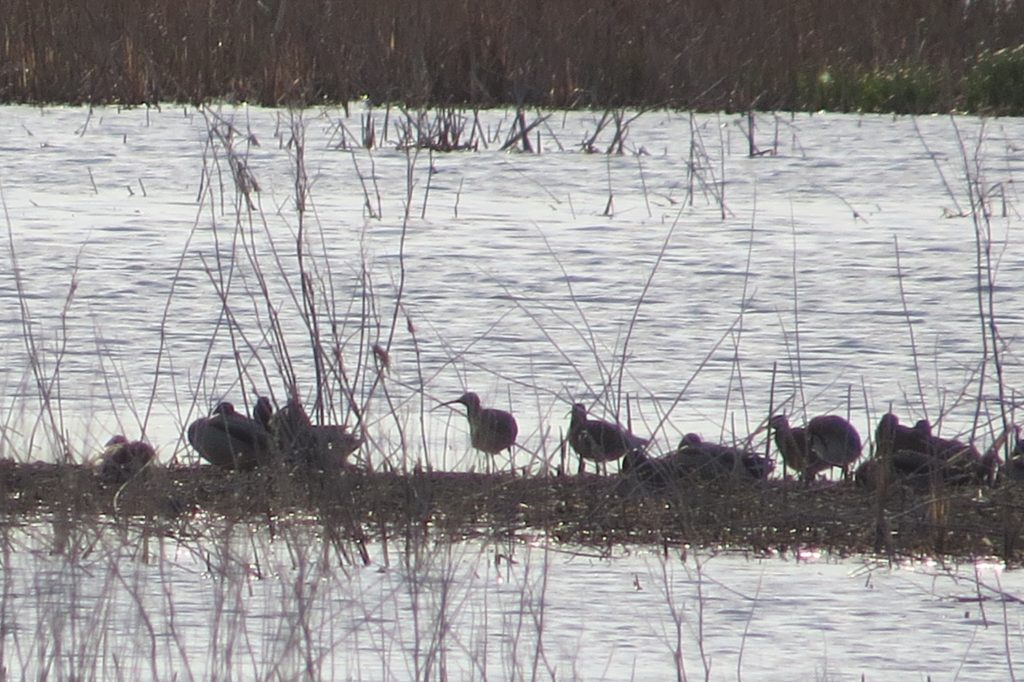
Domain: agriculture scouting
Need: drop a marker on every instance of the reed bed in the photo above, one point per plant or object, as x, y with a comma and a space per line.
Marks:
912, 56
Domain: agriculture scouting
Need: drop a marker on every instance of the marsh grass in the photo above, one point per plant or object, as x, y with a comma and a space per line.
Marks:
307, 532
293, 323
901, 87
356, 509
915, 56
996, 81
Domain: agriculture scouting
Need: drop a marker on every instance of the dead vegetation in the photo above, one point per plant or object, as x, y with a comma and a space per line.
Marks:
590, 510
705, 55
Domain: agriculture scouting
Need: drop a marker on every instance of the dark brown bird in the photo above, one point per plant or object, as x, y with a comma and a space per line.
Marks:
890, 433
491, 430
599, 441
792, 444
827, 441
694, 459
834, 442
949, 448
123, 459
713, 460
642, 471
296, 440
917, 458
964, 461
263, 411
230, 440
922, 470
891, 436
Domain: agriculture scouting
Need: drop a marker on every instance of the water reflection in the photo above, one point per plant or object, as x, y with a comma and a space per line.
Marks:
94, 600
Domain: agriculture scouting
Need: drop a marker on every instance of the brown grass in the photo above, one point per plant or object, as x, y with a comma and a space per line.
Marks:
588, 510
711, 54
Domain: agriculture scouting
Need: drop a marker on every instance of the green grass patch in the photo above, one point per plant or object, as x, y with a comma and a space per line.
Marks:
896, 88
996, 82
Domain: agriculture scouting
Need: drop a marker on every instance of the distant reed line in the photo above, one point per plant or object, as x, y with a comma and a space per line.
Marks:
910, 56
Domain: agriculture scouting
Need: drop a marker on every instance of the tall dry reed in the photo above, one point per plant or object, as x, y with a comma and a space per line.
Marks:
726, 54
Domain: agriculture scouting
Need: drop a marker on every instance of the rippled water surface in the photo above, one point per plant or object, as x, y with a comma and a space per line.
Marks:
137, 285
527, 278
241, 605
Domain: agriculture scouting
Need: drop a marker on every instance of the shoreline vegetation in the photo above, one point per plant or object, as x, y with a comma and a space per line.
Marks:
921, 56
397, 495
908, 58
356, 507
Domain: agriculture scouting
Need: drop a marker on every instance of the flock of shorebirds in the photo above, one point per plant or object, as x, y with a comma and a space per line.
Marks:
232, 441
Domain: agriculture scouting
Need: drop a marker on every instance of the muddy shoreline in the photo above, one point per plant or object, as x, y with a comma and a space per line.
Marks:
589, 510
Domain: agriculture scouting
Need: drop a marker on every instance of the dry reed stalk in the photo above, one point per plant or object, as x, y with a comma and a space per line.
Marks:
706, 55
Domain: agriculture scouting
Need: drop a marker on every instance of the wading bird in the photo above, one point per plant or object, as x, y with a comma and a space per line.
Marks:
122, 459
792, 444
230, 440
694, 460
490, 430
827, 441
947, 462
834, 442
263, 411
913, 456
599, 441
296, 440
643, 471
711, 461
891, 436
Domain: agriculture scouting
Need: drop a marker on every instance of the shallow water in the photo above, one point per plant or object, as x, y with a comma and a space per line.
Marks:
527, 278
517, 283
240, 604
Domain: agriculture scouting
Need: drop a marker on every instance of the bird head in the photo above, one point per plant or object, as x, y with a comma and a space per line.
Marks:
225, 409
469, 399
888, 422
263, 410
690, 440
